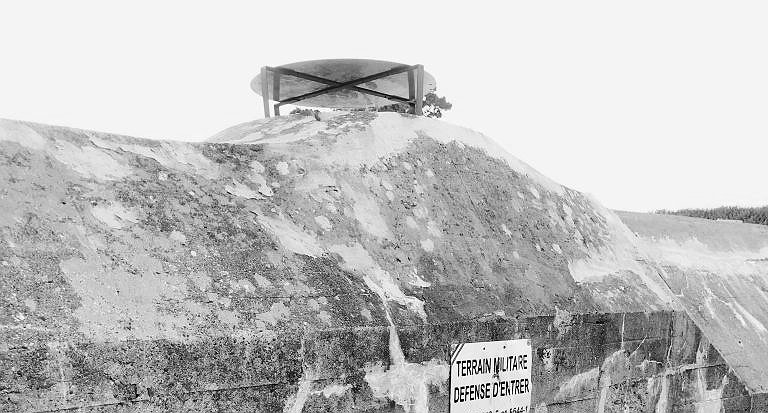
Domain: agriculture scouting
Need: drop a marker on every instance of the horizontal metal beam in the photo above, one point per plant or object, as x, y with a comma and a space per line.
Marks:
342, 85
382, 95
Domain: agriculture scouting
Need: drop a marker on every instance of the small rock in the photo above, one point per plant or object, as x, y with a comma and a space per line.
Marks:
282, 168
257, 167
245, 285
178, 237
31, 304
323, 222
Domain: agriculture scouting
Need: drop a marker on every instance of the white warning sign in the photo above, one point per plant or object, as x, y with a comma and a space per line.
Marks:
491, 377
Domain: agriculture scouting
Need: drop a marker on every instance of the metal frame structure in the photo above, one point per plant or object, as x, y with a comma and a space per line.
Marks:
415, 86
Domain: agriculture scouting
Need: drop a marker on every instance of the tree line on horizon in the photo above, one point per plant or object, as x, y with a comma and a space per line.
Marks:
753, 215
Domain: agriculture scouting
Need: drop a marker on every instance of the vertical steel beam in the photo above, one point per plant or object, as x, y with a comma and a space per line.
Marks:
419, 89
411, 91
265, 91
276, 91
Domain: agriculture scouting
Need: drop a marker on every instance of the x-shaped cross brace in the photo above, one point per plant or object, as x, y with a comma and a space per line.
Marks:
415, 86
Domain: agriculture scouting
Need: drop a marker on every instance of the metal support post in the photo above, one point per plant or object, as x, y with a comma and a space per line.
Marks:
419, 89
265, 91
276, 91
412, 91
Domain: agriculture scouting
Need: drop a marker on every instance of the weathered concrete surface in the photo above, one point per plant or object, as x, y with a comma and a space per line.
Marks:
718, 270
292, 263
600, 362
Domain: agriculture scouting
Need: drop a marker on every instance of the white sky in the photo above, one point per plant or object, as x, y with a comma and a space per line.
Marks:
646, 105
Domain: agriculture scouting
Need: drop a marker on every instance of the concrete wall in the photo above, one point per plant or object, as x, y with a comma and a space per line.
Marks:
328, 265
638, 362
718, 270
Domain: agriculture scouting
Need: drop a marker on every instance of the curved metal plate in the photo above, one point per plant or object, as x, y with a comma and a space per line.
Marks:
342, 70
